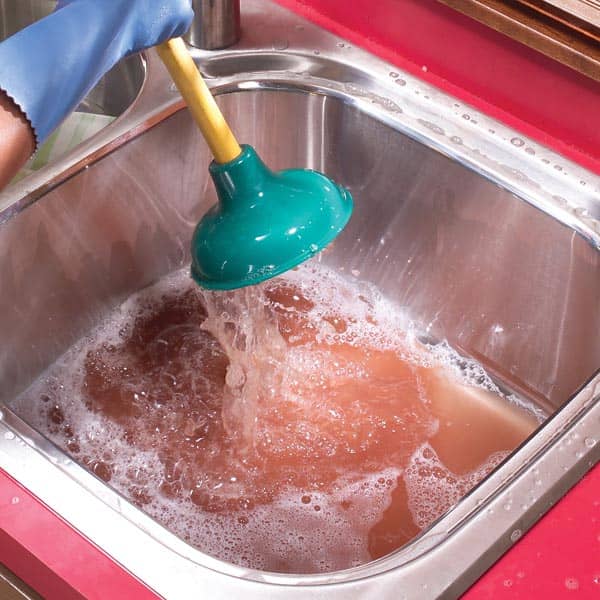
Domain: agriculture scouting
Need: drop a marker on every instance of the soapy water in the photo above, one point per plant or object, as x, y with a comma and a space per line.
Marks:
295, 426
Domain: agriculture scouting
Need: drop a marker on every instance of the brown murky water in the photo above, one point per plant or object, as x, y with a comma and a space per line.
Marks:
297, 427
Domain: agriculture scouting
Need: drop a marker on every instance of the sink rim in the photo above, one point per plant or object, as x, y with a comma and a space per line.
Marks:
155, 103
549, 178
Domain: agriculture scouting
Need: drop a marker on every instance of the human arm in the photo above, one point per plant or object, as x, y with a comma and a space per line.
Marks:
47, 68
17, 141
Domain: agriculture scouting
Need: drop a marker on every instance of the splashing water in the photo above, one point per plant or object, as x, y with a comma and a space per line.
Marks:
295, 426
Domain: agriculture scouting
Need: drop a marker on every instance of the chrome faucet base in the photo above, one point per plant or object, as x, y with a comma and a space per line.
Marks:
216, 24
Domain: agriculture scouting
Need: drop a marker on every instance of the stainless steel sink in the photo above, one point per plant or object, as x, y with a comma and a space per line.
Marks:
113, 94
489, 240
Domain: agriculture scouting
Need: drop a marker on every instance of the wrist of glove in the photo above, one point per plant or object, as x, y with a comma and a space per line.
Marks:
50, 66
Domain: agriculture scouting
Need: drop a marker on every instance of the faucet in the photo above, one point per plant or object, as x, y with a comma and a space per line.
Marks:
216, 25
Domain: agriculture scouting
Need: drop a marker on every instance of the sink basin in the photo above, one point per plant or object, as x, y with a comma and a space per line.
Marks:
110, 98
487, 239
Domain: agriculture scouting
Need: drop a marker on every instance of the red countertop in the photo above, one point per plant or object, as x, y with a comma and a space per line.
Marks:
560, 556
53, 558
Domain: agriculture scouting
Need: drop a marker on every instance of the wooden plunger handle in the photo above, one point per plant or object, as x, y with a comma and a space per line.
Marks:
200, 101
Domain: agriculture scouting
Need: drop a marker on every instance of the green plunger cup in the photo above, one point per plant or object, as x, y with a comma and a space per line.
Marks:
265, 222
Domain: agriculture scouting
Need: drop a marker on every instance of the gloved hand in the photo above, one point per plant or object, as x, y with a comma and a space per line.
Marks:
50, 66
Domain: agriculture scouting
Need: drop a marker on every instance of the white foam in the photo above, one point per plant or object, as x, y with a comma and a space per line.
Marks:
286, 531
433, 489
324, 534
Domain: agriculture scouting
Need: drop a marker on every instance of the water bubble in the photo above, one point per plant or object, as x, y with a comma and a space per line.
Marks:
516, 535
589, 442
507, 583
400, 82
281, 44
518, 142
9, 435
393, 74
572, 583
456, 139
15, 500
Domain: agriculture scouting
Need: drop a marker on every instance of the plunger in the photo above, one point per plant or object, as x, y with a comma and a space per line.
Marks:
264, 222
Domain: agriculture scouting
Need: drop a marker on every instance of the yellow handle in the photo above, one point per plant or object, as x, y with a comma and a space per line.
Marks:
200, 101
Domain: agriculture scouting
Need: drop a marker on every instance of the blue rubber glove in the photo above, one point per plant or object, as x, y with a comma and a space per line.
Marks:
50, 66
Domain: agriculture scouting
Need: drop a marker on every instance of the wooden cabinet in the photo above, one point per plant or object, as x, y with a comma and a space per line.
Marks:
566, 30
12, 588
